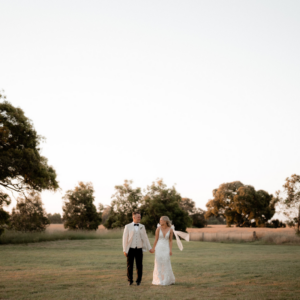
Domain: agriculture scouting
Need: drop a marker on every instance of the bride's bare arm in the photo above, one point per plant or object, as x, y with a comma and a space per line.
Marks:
171, 240
156, 238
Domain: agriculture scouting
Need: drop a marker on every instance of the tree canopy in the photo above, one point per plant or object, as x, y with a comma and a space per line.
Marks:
22, 168
188, 205
79, 211
21, 165
241, 205
125, 201
157, 202
163, 201
29, 214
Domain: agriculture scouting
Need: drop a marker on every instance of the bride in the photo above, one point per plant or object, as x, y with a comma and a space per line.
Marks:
163, 273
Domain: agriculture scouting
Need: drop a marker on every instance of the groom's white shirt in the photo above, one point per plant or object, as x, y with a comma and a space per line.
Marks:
140, 233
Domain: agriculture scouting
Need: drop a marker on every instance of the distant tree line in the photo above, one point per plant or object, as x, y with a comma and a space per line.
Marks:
55, 218
25, 171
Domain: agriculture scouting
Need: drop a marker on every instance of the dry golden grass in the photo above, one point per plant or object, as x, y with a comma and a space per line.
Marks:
260, 231
220, 233
233, 229
209, 229
60, 227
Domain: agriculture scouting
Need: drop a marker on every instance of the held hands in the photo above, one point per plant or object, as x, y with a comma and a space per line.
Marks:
152, 251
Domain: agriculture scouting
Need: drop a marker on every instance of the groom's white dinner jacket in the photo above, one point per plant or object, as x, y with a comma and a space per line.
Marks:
130, 233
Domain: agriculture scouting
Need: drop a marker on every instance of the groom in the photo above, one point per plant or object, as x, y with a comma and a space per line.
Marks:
135, 241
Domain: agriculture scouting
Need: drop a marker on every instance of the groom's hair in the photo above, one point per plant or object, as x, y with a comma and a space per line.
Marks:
136, 213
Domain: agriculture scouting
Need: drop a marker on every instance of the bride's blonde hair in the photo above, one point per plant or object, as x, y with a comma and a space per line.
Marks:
168, 221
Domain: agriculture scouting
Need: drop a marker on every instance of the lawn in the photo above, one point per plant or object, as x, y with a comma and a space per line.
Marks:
96, 269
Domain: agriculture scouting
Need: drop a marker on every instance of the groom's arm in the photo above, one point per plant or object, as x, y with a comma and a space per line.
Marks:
125, 240
148, 245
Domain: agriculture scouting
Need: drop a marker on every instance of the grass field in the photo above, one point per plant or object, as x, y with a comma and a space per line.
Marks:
219, 233
261, 231
96, 269
212, 233
16, 237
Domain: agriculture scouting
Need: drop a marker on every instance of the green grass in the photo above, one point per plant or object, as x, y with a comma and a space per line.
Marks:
96, 269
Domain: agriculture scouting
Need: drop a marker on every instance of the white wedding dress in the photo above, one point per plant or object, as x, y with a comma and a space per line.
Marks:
163, 273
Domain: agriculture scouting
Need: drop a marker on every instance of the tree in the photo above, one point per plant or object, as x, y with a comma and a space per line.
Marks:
100, 209
162, 201
29, 214
276, 224
187, 205
22, 168
198, 218
105, 211
241, 205
291, 201
125, 201
196, 214
79, 212
55, 218
216, 220
4, 216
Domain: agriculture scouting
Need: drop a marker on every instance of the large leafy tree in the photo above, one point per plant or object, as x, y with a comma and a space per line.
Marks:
125, 201
241, 205
163, 201
21, 164
79, 211
291, 201
29, 214
22, 167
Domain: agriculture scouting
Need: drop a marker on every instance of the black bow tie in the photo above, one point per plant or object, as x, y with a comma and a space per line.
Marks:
136, 224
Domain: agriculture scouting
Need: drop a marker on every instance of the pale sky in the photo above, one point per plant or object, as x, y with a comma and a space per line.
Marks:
198, 93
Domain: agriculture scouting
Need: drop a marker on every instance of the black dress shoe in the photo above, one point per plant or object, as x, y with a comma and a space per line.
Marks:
138, 283
130, 283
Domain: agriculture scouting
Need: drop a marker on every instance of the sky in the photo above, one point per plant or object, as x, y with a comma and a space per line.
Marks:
198, 93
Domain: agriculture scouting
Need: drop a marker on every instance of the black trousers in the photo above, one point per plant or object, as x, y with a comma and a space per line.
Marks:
137, 254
